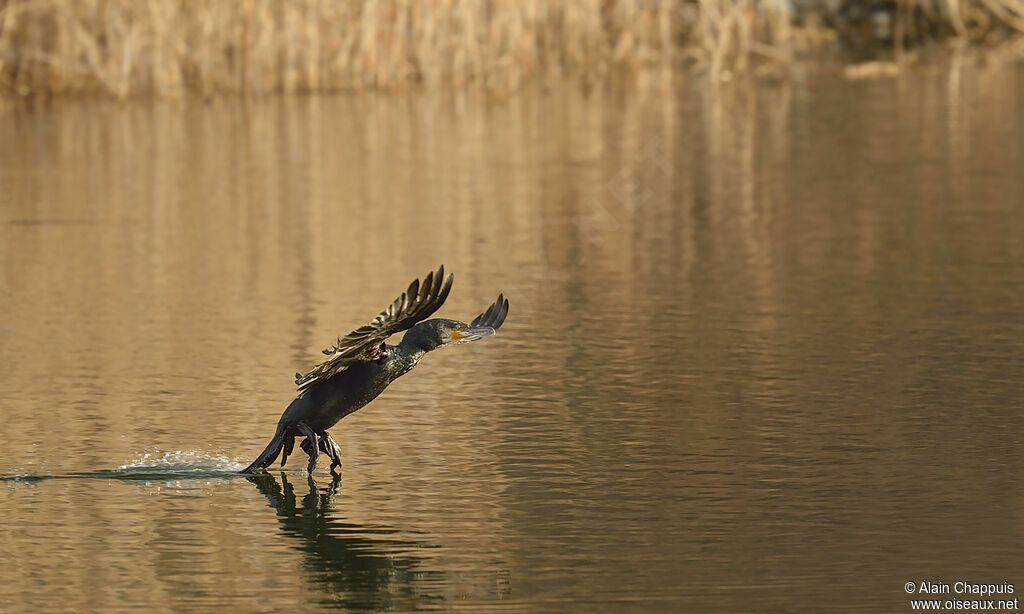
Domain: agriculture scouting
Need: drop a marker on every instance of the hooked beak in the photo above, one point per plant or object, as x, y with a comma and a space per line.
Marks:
472, 333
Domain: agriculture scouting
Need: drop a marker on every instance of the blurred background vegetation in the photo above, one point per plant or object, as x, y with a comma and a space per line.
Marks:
168, 48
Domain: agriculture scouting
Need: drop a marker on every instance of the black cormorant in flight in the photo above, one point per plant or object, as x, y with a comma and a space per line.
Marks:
361, 365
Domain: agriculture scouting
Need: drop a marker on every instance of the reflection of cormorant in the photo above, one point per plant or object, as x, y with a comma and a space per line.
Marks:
361, 365
368, 572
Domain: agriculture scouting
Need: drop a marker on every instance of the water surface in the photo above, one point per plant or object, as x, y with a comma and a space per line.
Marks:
764, 350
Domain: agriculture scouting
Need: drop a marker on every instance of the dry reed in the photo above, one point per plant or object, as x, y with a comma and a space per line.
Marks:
170, 47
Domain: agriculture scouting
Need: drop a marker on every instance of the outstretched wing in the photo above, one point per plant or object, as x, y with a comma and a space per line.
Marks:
495, 314
364, 343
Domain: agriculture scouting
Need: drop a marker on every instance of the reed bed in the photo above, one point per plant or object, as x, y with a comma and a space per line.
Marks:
168, 48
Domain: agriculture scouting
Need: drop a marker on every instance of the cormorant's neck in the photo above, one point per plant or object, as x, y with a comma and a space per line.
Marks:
407, 350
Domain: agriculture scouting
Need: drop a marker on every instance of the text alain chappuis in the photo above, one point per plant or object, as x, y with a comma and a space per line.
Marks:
962, 595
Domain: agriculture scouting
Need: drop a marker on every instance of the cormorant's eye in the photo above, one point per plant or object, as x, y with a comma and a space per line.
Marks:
460, 327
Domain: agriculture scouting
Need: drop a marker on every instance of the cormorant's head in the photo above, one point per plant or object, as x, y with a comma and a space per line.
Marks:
432, 334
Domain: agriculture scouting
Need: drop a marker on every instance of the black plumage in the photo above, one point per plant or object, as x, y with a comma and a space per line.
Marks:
361, 365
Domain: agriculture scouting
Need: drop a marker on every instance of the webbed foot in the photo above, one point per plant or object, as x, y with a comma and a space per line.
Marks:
289, 445
309, 446
333, 450
328, 446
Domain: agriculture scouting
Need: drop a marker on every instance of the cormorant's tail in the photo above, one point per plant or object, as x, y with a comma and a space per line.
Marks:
269, 454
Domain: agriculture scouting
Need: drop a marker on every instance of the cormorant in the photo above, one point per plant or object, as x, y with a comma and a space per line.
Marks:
361, 365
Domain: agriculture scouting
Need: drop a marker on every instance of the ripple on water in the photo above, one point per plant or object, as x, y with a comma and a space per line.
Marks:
154, 465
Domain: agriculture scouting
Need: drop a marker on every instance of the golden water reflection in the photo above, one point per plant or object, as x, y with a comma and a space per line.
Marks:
762, 346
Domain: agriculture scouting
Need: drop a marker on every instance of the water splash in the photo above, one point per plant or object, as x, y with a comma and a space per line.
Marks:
154, 466
180, 462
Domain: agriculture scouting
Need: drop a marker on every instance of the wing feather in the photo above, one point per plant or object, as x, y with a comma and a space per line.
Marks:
417, 303
495, 314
